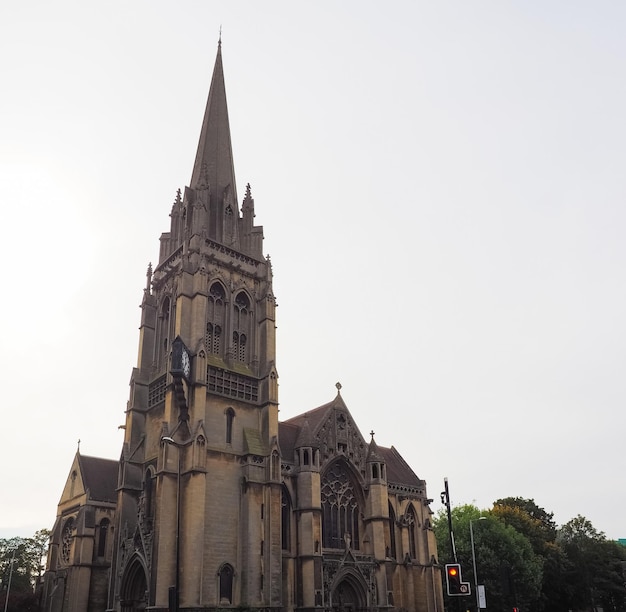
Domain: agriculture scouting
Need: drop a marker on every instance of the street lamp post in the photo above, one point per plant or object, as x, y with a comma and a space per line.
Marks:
6, 602
480, 518
172, 442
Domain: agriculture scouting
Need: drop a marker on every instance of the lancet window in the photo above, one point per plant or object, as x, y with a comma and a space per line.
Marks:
340, 509
241, 326
215, 319
163, 335
285, 524
148, 492
230, 417
226, 584
391, 544
411, 520
103, 530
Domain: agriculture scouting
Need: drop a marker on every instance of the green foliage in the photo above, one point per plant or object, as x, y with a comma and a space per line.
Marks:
526, 517
505, 560
27, 556
595, 569
525, 561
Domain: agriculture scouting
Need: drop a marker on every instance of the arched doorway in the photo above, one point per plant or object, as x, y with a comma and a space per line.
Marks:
133, 594
349, 594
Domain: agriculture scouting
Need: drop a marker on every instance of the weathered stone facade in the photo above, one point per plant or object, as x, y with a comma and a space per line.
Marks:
216, 500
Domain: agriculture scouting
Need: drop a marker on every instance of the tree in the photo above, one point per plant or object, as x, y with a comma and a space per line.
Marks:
529, 519
594, 571
26, 556
505, 561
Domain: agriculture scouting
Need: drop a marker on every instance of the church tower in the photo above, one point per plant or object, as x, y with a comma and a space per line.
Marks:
198, 522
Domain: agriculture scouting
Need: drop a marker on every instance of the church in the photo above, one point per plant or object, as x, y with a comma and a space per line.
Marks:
215, 504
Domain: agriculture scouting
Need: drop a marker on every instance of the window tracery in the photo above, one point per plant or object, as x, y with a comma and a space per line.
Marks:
215, 319
241, 324
340, 509
66, 540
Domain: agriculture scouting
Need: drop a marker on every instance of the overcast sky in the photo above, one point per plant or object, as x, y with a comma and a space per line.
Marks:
443, 195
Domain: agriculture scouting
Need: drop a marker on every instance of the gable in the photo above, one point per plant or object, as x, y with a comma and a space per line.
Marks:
91, 477
74, 486
99, 478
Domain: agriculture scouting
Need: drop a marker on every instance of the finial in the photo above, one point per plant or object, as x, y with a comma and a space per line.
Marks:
78, 449
372, 434
338, 385
219, 42
178, 194
148, 277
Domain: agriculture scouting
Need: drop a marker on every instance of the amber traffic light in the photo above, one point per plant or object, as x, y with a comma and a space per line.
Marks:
454, 581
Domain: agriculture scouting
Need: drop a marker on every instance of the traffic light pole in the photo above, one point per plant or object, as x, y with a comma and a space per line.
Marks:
445, 499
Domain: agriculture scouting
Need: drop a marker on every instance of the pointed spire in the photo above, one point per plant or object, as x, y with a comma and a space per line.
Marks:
214, 158
305, 436
372, 452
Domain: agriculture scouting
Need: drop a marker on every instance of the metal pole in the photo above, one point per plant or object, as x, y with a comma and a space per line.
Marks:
169, 440
178, 532
474, 566
480, 518
6, 601
445, 498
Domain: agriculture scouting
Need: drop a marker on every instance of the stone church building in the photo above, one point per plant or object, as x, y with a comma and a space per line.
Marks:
214, 503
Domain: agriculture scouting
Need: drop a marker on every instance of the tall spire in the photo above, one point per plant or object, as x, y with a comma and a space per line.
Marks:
214, 148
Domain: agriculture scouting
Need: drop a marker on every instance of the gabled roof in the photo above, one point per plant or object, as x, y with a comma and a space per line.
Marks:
99, 477
293, 431
398, 470
317, 415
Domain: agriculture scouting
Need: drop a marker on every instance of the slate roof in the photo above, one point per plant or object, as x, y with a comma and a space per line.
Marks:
253, 443
99, 477
289, 431
398, 470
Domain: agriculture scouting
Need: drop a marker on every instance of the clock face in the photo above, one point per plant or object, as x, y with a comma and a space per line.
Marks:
186, 364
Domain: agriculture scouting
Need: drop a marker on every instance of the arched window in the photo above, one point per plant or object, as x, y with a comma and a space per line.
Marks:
148, 492
199, 452
226, 584
241, 324
215, 319
230, 417
163, 330
275, 466
103, 530
66, 539
285, 520
412, 523
73, 482
340, 508
391, 545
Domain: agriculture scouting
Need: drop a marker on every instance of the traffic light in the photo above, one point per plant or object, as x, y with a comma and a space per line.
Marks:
454, 580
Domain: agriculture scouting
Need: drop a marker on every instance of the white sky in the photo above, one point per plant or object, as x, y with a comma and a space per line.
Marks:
442, 190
